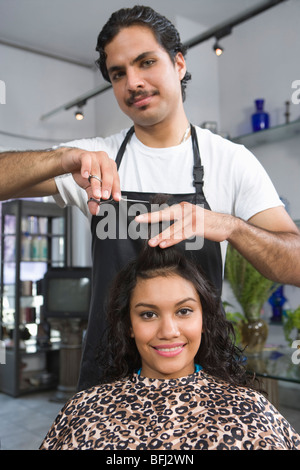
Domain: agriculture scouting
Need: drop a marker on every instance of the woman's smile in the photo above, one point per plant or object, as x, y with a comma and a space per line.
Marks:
169, 350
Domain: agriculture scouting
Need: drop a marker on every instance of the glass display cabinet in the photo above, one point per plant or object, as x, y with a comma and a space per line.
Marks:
33, 239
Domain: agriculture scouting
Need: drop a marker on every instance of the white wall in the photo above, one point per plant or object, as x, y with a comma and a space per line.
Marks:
36, 85
202, 92
282, 162
260, 61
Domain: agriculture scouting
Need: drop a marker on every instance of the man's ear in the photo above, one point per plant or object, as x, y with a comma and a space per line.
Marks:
180, 65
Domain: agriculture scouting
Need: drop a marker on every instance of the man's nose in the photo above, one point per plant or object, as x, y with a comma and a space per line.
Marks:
134, 80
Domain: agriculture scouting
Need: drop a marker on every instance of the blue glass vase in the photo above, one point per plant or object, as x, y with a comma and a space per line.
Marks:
260, 119
277, 300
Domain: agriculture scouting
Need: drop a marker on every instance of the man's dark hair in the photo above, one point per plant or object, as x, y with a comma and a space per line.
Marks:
165, 32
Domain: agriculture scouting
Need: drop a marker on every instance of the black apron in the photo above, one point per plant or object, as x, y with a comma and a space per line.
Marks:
110, 255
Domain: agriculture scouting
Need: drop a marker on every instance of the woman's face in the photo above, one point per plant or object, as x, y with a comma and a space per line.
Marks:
166, 323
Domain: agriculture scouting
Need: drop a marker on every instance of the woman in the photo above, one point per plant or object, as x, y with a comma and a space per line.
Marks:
174, 379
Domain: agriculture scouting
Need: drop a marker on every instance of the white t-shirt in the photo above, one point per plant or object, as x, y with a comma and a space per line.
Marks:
234, 180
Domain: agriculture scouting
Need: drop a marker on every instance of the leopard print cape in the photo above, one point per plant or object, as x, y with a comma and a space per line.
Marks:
190, 413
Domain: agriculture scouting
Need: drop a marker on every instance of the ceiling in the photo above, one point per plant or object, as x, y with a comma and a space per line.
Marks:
69, 28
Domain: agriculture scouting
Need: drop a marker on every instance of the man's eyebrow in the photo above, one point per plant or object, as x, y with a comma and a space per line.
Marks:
143, 55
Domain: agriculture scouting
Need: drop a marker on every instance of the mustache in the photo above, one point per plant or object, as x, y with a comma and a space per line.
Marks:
139, 94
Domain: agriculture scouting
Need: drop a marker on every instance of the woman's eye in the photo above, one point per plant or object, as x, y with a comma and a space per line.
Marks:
185, 311
147, 315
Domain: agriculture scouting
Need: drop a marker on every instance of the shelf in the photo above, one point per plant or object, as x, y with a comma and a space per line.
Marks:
270, 136
33, 239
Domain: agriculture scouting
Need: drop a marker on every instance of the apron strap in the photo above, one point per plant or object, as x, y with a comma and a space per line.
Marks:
123, 146
198, 171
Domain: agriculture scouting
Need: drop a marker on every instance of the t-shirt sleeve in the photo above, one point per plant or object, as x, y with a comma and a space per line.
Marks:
254, 189
70, 194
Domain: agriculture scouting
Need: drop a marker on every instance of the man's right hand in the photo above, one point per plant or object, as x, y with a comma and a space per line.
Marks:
32, 173
82, 164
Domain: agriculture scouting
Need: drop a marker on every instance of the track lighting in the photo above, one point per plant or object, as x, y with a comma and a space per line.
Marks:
225, 31
218, 49
79, 113
217, 32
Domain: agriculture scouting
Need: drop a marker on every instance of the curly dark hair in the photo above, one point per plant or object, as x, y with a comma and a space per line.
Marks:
165, 32
217, 353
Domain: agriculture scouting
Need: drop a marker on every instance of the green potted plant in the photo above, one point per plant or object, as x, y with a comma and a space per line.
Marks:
251, 290
235, 318
291, 322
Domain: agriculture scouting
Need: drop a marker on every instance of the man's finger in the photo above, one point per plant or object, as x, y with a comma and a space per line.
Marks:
116, 186
169, 213
172, 235
93, 207
86, 165
107, 177
96, 184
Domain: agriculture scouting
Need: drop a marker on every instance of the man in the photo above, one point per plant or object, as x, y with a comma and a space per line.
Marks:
209, 179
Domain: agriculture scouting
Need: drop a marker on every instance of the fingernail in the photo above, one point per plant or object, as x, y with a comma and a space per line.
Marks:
141, 217
105, 194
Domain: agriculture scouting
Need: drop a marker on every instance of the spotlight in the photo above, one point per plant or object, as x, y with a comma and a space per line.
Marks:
79, 114
219, 35
218, 49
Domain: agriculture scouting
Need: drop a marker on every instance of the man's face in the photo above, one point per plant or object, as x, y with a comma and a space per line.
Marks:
145, 81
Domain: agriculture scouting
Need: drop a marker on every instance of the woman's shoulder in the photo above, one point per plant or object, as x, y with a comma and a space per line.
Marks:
100, 390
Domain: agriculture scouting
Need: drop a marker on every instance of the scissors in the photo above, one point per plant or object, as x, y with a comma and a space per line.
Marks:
111, 200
